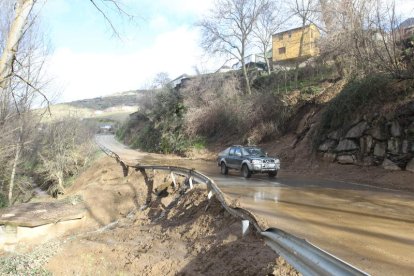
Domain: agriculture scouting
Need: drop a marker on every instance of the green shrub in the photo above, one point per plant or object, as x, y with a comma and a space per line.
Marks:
358, 97
283, 80
3, 201
147, 139
310, 90
158, 126
199, 143
121, 132
174, 143
354, 98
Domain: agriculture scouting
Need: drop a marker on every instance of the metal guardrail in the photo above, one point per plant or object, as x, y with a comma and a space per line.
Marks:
306, 257
302, 255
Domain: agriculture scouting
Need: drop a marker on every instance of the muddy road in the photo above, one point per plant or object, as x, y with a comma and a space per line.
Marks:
371, 228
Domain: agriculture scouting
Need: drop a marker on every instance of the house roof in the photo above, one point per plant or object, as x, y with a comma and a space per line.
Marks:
294, 29
407, 23
183, 76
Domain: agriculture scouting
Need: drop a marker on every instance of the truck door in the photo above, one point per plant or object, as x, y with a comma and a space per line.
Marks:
238, 158
230, 158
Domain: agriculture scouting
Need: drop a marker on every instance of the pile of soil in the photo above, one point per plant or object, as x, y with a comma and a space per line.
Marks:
172, 231
193, 237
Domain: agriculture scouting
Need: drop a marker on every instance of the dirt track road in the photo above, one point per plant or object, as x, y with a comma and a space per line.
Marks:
371, 228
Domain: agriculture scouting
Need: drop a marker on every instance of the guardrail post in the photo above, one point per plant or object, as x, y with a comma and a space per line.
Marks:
149, 181
245, 226
190, 180
173, 179
125, 168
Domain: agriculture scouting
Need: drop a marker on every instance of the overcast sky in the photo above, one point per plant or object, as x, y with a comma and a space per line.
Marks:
87, 61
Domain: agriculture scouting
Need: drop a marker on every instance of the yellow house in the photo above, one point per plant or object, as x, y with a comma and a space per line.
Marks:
286, 44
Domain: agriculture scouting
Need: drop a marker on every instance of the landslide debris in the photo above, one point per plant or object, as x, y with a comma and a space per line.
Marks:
180, 232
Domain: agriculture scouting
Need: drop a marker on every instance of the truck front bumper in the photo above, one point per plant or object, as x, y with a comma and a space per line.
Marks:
261, 168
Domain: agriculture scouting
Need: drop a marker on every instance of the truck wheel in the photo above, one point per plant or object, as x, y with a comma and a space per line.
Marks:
246, 172
272, 174
224, 169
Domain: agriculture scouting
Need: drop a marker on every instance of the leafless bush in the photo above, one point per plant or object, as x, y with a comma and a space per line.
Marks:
217, 107
214, 106
363, 37
66, 147
268, 115
147, 101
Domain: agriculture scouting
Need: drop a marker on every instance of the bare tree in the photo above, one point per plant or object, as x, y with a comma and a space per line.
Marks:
17, 118
304, 10
65, 147
22, 59
160, 80
268, 23
21, 21
328, 18
228, 29
388, 53
22, 11
103, 6
362, 37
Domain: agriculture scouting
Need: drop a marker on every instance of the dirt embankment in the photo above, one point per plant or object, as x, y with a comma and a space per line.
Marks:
299, 159
180, 232
357, 132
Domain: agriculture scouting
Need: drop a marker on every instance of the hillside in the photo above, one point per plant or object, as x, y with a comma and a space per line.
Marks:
366, 121
128, 98
115, 107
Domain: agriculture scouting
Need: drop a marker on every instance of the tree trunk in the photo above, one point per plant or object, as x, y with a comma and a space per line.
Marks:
302, 36
268, 65
246, 78
330, 26
13, 173
338, 66
17, 28
60, 182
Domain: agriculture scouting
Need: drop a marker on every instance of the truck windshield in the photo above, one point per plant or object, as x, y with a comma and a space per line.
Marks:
254, 151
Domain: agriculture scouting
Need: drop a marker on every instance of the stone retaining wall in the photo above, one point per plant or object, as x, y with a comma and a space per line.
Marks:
374, 140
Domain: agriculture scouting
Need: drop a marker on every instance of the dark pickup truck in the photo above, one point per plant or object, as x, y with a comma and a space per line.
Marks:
248, 160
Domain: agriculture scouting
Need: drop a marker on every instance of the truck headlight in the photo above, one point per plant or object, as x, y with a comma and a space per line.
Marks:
256, 161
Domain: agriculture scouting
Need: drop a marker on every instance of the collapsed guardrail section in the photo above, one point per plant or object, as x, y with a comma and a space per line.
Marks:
305, 257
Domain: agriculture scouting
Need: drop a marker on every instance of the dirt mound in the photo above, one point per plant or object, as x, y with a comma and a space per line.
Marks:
194, 236
179, 232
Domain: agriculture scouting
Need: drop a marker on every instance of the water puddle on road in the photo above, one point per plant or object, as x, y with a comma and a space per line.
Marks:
371, 228
263, 196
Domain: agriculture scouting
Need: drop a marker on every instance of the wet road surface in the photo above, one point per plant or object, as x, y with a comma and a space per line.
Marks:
368, 227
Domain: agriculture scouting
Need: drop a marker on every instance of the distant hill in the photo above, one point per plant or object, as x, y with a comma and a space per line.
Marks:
115, 107
128, 98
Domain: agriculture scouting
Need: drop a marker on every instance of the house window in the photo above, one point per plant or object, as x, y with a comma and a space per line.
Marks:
281, 37
290, 34
282, 50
